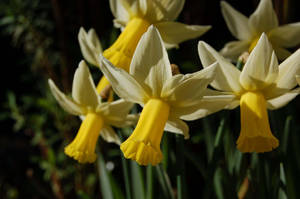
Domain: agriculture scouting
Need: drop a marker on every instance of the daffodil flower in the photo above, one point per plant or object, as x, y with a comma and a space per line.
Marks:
248, 30
99, 117
261, 85
134, 17
165, 99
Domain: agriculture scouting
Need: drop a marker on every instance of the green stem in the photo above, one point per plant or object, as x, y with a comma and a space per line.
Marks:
180, 167
125, 171
149, 182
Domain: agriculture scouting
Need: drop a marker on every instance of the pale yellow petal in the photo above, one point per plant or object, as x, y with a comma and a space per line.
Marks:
176, 125
283, 100
109, 135
174, 33
120, 12
66, 103
150, 63
236, 22
286, 35
261, 68
234, 49
227, 77
83, 89
123, 84
298, 79
264, 18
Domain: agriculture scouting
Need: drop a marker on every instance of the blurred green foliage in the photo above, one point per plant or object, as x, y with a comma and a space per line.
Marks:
39, 41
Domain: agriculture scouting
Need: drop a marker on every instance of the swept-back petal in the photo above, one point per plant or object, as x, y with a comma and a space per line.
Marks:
123, 84
234, 49
286, 35
176, 125
282, 100
120, 12
174, 33
109, 135
186, 90
227, 77
150, 63
89, 45
211, 102
66, 103
236, 22
261, 68
264, 18
83, 89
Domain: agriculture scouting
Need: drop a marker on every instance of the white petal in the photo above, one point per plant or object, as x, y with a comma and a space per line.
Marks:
264, 18
281, 53
109, 135
150, 63
123, 84
287, 71
119, 11
227, 77
66, 103
286, 36
186, 90
162, 10
176, 125
261, 68
234, 49
89, 45
174, 33
84, 90
282, 100
236, 22
207, 105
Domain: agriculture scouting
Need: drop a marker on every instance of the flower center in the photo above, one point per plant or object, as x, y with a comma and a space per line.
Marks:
82, 148
121, 52
143, 145
255, 135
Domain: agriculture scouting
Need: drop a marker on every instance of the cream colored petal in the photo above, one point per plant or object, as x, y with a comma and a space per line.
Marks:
236, 22
281, 53
90, 46
264, 18
174, 33
227, 77
123, 84
176, 125
287, 71
119, 11
150, 63
186, 90
205, 106
286, 36
282, 100
161, 10
66, 103
261, 68
234, 49
83, 89
109, 135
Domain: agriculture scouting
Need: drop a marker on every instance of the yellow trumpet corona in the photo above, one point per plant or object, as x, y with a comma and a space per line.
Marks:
143, 145
255, 135
83, 146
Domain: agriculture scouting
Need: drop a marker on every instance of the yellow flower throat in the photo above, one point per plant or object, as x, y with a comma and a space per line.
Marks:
143, 145
121, 52
255, 135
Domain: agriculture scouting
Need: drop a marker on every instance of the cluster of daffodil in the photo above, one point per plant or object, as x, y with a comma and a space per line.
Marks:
139, 71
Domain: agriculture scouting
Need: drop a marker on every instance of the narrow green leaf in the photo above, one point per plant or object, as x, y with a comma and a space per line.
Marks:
218, 183
287, 127
149, 182
165, 183
105, 184
219, 132
137, 181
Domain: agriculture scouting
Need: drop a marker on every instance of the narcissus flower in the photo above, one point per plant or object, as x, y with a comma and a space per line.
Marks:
261, 85
248, 30
99, 117
166, 99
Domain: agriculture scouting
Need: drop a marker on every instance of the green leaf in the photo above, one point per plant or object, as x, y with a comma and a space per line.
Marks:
137, 181
218, 183
105, 184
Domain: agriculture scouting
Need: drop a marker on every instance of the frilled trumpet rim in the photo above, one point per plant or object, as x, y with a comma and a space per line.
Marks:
143, 145
121, 52
255, 135
82, 148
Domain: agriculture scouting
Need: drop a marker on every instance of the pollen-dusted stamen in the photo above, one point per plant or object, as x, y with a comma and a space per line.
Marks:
255, 135
121, 52
143, 145
83, 146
